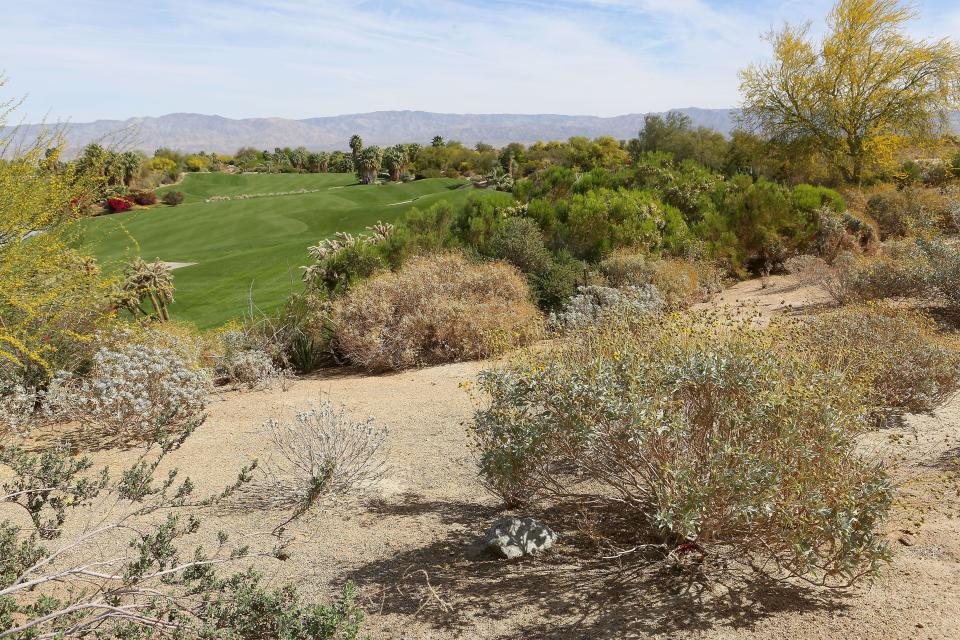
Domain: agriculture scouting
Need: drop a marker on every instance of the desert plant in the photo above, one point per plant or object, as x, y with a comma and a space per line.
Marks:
894, 355
324, 455
695, 432
908, 212
594, 304
129, 571
681, 281
144, 198
173, 198
244, 359
150, 281
435, 309
901, 271
118, 204
132, 389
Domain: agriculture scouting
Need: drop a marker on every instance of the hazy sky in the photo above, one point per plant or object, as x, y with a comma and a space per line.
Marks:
88, 59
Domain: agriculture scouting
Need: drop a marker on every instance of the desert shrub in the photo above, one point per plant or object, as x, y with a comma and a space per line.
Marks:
144, 198
435, 309
324, 455
809, 198
117, 204
754, 226
594, 304
520, 242
680, 281
844, 232
943, 278
894, 355
559, 281
134, 528
908, 212
17, 406
132, 389
344, 259
592, 224
245, 358
173, 198
901, 271
699, 432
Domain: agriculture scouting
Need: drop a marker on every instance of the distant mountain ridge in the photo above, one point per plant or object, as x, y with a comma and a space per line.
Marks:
192, 132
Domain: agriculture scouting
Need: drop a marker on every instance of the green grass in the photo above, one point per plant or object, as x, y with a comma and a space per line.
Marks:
251, 247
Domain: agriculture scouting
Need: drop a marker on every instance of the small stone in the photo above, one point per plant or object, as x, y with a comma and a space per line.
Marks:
907, 542
512, 538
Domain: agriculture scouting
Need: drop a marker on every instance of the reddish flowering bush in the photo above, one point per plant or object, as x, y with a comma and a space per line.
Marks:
145, 198
117, 205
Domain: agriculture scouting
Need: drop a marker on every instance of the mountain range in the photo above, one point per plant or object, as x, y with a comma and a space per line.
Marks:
191, 132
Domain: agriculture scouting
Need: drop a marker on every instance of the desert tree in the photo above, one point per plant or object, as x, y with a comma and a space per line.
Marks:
860, 92
395, 160
368, 164
356, 146
437, 141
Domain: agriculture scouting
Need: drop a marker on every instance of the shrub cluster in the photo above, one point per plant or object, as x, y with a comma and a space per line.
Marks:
919, 268
681, 281
699, 432
173, 198
118, 205
435, 309
894, 355
132, 389
910, 211
144, 198
594, 303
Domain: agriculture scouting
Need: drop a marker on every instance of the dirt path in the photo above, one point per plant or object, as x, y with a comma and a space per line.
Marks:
405, 547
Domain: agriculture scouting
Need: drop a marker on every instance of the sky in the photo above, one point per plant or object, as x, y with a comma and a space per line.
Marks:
82, 60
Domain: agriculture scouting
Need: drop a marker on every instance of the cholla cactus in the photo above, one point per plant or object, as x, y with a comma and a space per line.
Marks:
329, 247
380, 231
146, 281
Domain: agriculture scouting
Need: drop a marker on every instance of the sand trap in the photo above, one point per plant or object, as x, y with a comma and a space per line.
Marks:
178, 265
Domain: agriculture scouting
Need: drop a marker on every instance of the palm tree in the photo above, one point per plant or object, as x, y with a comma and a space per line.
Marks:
356, 146
395, 160
368, 164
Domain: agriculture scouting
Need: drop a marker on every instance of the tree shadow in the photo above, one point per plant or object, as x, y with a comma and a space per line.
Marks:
572, 591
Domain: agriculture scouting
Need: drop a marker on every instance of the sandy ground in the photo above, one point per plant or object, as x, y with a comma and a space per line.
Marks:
406, 546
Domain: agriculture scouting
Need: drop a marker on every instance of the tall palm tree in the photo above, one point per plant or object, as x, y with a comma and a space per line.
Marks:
356, 146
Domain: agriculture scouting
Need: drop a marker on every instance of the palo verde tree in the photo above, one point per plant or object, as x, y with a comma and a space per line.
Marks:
863, 90
52, 297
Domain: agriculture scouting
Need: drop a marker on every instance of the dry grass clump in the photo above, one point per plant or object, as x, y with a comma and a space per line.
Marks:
682, 282
435, 309
700, 431
895, 355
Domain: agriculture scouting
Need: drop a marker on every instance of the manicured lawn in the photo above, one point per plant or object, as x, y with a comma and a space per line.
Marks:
252, 248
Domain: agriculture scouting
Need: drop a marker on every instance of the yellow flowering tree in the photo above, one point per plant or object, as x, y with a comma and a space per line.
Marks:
51, 296
861, 91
